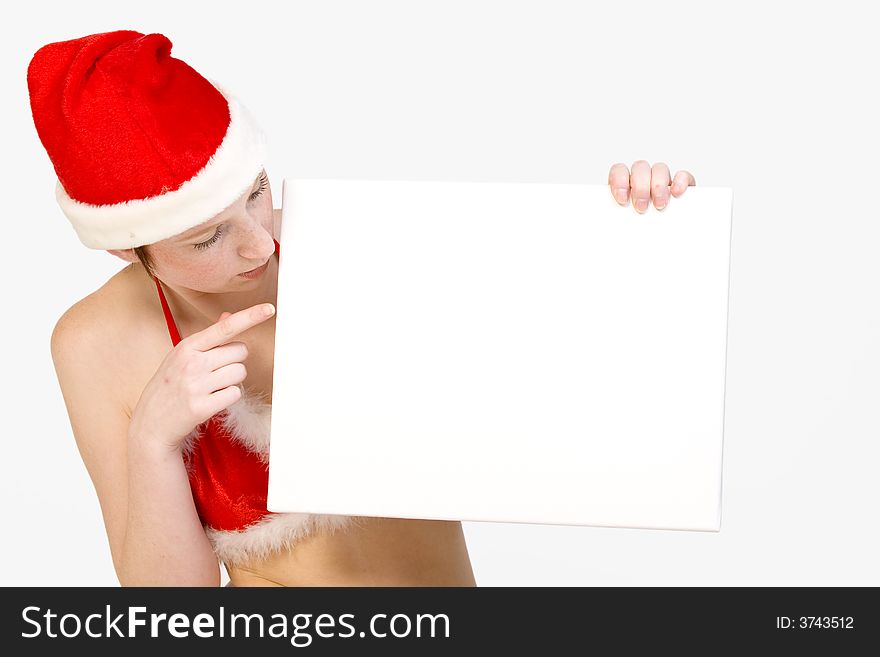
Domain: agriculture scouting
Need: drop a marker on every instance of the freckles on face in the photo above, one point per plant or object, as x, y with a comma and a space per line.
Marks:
241, 246
208, 271
235, 241
188, 268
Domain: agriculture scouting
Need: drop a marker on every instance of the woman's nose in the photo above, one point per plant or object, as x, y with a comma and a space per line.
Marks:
258, 244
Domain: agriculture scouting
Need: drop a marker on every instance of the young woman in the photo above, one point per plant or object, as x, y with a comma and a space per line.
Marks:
166, 370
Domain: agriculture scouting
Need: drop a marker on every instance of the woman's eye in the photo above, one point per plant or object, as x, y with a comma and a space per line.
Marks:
264, 183
209, 242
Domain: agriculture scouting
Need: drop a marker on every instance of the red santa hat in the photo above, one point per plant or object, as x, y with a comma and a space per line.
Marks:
144, 147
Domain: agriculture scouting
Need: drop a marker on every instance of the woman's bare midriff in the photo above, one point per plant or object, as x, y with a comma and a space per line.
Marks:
371, 552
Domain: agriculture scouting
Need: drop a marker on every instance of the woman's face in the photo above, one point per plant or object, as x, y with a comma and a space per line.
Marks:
210, 256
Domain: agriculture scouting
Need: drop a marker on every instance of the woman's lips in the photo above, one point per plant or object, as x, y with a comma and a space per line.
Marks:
256, 273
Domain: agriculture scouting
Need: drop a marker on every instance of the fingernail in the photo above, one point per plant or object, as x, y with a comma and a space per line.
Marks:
268, 309
621, 195
661, 203
641, 204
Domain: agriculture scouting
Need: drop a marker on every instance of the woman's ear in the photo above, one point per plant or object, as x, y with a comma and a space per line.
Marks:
126, 254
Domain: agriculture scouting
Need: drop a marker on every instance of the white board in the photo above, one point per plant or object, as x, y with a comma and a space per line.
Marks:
510, 352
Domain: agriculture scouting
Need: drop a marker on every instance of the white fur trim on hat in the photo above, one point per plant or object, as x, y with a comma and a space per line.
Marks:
230, 171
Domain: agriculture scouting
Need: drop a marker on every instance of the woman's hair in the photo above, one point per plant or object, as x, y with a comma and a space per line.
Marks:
145, 259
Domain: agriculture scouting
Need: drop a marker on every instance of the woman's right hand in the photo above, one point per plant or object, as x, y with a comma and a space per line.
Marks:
198, 378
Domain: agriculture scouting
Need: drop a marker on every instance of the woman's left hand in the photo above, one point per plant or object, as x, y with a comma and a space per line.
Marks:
645, 183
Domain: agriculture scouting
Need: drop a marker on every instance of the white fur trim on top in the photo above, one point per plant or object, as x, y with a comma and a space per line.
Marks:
229, 172
272, 534
248, 421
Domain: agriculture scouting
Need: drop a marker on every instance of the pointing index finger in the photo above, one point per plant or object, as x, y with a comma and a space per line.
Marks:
227, 328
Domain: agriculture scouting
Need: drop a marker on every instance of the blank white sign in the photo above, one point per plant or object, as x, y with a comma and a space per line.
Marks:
500, 352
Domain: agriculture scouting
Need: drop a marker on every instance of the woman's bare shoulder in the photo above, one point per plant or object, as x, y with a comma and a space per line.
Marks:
118, 326
109, 310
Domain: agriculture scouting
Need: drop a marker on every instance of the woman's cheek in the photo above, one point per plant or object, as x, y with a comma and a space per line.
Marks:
197, 273
212, 274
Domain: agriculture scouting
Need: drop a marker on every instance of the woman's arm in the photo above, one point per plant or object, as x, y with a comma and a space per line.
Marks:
154, 532
164, 542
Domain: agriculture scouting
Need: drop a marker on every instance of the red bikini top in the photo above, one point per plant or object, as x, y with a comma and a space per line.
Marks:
229, 481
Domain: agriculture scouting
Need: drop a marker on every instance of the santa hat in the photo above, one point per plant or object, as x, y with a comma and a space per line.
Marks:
144, 147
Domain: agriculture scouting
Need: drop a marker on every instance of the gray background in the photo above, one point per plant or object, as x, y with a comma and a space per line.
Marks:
774, 100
